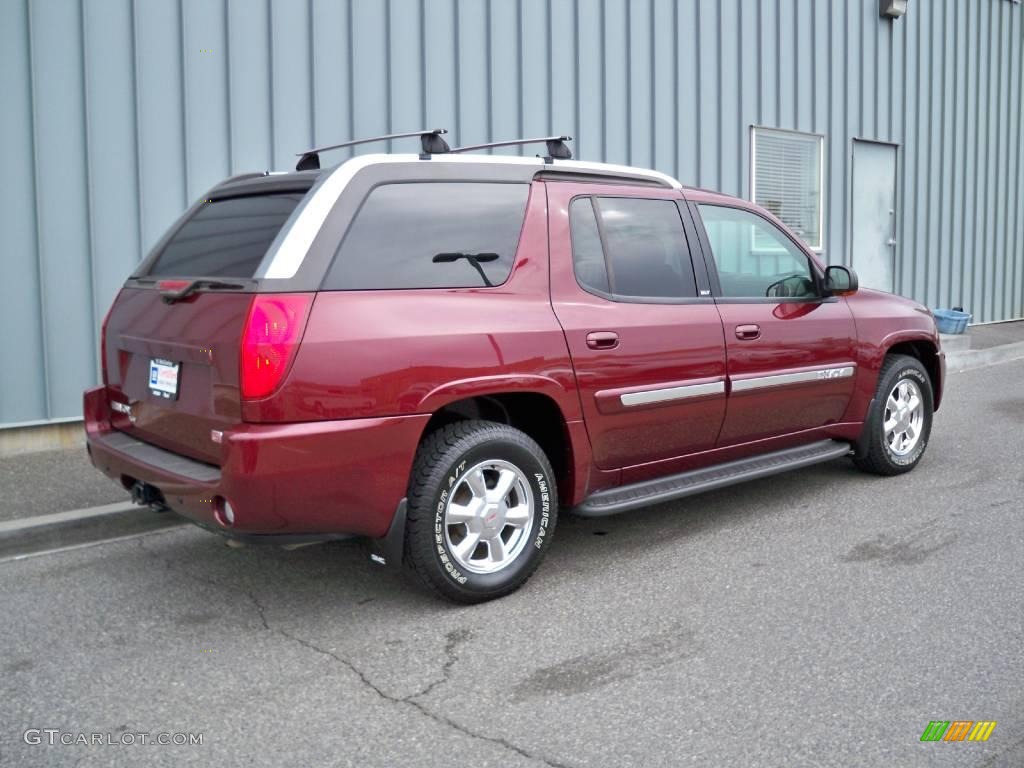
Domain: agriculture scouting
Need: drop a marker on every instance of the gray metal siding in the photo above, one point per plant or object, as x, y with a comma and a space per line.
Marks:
117, 114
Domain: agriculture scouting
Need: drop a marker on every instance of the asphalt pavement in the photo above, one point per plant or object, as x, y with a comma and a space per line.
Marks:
53, 481
820, 618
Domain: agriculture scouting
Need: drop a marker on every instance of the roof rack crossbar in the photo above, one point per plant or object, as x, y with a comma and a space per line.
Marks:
430, 141
555, 146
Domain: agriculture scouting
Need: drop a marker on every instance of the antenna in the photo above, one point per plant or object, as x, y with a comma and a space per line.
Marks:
430, 142
557, 150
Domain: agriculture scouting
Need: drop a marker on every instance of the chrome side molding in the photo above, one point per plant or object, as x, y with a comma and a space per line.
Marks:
797, 377
672, 393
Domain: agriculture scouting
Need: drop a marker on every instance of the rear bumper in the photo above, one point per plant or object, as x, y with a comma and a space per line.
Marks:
325, 477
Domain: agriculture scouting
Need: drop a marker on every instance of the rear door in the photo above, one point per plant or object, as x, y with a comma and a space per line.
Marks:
172, 367
791, 350
646, 346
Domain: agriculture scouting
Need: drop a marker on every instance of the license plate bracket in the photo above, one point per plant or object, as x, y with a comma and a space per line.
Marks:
164, 378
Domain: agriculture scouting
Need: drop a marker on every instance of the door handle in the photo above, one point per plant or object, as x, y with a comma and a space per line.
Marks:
748, 332
602, 340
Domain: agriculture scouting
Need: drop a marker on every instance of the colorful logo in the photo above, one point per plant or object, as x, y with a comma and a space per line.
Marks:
958, 730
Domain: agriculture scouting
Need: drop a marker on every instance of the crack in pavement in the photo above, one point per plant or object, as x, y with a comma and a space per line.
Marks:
420, 707
453, 640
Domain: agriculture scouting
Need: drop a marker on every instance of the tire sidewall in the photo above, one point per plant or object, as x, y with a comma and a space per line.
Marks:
916, 374
545, 501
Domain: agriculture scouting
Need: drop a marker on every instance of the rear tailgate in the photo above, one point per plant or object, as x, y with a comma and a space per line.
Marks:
200, 337
173, 336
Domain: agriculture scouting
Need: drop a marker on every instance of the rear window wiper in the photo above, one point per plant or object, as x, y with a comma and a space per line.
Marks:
176, 290
474, 259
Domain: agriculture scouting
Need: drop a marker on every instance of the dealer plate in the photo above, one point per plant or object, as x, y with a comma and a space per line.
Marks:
163, 378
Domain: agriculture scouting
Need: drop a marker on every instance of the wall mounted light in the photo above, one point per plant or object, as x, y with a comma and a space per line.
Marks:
892, 9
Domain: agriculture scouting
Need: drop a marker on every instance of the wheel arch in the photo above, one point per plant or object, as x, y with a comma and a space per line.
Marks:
927, 353
535, 413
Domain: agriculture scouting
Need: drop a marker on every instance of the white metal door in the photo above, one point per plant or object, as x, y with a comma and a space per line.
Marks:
874, 214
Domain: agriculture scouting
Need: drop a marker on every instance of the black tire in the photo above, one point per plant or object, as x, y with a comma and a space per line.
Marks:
878, 456
444, 460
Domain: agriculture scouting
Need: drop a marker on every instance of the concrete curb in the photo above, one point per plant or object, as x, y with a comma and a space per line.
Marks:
969, 359
80, 526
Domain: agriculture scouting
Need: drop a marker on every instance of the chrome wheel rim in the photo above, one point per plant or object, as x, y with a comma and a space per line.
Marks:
488, 516
904, 416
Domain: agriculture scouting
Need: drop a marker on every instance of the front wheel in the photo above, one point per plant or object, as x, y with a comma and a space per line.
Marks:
482, 510
900, 421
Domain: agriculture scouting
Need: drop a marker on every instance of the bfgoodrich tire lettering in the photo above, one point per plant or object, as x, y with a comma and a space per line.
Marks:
479, 454
897, 443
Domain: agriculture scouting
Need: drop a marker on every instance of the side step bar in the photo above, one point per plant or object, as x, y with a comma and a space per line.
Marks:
627, 497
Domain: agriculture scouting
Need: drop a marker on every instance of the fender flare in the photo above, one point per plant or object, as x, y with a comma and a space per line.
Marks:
482, 386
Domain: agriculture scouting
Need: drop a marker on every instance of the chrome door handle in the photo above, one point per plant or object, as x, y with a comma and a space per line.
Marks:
748, 332
602, 340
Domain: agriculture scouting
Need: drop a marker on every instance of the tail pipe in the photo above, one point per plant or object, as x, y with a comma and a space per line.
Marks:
146, 495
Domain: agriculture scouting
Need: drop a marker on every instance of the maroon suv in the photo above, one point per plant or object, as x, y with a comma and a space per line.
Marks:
443, 351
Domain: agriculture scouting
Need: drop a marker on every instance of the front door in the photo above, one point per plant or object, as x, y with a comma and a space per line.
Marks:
874, 214
791, 351
646, 347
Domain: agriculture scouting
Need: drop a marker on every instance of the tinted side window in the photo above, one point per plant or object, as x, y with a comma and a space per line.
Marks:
587, 254
226, 238
431, 235
753, 257
647, 251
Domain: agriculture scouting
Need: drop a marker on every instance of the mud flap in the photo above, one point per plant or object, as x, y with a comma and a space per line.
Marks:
388, 550
860, 448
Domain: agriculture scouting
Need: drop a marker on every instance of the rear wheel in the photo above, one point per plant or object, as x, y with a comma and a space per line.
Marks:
482, 510
900, 421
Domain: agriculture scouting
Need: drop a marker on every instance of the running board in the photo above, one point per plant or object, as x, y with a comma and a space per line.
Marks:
627, 497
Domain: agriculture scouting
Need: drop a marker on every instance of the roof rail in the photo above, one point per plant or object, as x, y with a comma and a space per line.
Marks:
555, 146
430, 141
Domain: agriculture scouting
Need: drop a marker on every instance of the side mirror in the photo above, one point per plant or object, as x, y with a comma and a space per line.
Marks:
840, 281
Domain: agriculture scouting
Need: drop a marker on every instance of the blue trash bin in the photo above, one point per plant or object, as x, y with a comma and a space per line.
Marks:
951, 320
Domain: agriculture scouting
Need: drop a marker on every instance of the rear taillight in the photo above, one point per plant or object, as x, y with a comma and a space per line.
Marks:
271, 336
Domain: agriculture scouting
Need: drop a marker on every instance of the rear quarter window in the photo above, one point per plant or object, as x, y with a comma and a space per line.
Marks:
431, 235
226, 238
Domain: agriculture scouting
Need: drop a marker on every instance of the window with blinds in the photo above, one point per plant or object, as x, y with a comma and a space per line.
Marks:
787, 180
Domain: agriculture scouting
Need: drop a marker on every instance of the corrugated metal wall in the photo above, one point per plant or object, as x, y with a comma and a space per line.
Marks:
116, 114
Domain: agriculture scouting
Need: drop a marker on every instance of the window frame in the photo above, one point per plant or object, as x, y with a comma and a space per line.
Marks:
350, 224
820, 247
692, 239
711, 266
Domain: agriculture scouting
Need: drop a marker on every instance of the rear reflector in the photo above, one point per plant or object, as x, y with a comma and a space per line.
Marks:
223, 512
271, 336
